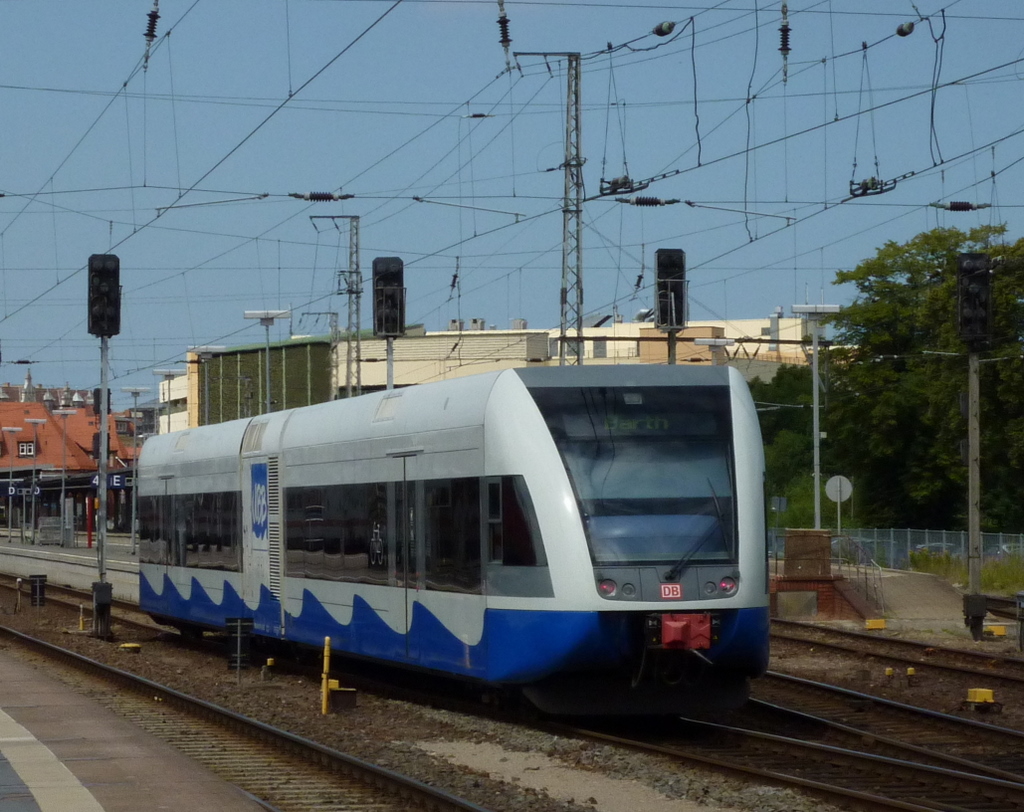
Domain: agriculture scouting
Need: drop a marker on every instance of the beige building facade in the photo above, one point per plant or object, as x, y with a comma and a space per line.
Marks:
757, 347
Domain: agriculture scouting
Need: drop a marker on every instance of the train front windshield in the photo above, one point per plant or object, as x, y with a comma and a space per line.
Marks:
651, 468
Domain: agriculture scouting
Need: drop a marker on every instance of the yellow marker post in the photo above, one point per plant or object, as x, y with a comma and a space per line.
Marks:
325, 683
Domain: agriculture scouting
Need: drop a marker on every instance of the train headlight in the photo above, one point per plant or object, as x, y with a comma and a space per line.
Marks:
607, 588
727, 585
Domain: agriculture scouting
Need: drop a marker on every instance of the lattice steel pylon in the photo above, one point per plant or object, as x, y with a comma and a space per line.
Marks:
570, 349
572, 223
354, 289
348, 282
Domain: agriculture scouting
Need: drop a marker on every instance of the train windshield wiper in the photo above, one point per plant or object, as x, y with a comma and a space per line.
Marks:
677, 569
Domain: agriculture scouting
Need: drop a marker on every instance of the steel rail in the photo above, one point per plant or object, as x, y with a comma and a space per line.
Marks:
405, 791
923, 653
882, 782
877, 719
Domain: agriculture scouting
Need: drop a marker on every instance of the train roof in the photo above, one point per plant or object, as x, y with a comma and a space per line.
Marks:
455, 403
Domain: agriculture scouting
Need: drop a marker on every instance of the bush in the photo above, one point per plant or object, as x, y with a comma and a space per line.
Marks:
999, 576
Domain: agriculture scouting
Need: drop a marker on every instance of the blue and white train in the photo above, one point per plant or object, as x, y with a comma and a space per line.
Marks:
592, 537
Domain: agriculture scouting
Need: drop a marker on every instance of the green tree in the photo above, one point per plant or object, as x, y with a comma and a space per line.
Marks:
784, 409
894, 416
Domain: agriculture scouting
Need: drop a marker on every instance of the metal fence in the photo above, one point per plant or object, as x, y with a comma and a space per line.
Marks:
891, 547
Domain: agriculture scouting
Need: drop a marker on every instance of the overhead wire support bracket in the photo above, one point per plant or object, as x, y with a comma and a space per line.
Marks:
623, 184
785, 217
874, 186
632, 185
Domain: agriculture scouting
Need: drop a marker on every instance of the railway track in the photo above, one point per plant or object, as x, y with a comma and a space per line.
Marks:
287, 772
864, 721
955, 660
900, 778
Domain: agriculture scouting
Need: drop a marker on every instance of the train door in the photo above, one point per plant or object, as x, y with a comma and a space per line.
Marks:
262, 543
405, 552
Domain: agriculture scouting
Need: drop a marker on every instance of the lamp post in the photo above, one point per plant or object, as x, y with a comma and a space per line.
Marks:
168, 376
714, 343
63, 414
12, 430
35, 422
266, 318
813, 314
205, 354
135, 391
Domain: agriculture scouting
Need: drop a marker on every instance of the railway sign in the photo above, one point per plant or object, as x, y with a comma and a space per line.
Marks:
838, 489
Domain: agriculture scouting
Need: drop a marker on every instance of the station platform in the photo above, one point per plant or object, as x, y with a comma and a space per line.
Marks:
920, 598
76, 567
63, 752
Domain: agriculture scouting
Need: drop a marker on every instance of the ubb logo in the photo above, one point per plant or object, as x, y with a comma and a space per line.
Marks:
260, 508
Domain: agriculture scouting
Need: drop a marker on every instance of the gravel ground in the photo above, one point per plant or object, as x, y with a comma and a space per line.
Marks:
500, 766
928, 688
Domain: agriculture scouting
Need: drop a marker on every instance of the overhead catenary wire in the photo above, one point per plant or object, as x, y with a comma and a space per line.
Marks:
287, 241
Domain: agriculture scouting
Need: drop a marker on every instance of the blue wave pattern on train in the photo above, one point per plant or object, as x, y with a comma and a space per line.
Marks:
591, 536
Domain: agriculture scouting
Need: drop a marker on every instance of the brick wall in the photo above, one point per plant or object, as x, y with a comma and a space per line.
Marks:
834, 603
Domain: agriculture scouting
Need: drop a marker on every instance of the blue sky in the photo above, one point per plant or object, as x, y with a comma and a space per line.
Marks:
166, 162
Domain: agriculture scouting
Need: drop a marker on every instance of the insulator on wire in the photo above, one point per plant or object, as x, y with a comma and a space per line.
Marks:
641, 200
784, 48
904, 29
319, 197
505, 40
664, 29
960, 205
154, 15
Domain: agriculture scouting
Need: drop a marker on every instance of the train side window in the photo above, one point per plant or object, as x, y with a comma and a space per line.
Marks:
495, 537
193, 530
362, 514
452, 534
521, 534
513, 533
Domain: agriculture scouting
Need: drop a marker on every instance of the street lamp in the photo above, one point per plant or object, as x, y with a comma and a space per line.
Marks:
266, 318
135, 391
63, 414
35, 422
713, 343
206, 353
813, 314
13, 430
168, 376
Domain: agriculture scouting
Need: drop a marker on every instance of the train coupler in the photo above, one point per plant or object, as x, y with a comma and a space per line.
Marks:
680, 631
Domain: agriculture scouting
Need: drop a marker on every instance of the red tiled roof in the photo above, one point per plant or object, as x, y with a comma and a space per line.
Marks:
80, 428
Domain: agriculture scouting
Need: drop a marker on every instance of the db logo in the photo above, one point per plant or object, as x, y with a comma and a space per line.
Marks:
260, 511
260, 508
671, 592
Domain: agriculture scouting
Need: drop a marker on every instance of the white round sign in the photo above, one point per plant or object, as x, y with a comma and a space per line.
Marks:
838, 488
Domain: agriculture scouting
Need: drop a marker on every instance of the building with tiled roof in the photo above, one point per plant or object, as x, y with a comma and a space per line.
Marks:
45, 452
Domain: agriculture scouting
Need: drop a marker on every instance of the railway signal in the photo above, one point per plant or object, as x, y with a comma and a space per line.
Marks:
104, 295
974, 297
670, 288
388, 297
